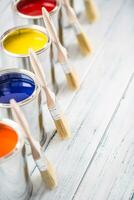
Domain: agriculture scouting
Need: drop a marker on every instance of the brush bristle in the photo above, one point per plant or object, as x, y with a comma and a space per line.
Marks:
84, 43
63, 128
91, 11
49, 176
72, 80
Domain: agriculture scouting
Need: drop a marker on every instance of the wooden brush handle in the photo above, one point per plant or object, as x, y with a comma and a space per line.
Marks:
50, 97
37, 67
20, 118
50, 26
62, 54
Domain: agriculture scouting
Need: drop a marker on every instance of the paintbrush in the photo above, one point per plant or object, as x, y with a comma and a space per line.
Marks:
70, 74
53, 106
45, 167
82, 38
91, 11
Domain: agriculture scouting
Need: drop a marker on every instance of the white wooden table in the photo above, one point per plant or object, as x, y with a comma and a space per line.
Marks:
97, 163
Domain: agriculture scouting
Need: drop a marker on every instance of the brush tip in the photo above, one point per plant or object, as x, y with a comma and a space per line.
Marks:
63, 128
73, 81
49, 176
91, 11
84, 44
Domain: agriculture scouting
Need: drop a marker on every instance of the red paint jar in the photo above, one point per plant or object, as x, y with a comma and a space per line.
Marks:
32, 8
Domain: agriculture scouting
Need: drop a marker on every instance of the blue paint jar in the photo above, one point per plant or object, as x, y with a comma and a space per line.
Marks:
16, 86
22, 86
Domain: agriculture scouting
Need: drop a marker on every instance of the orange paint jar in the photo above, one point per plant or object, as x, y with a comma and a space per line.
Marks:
8, 140
13, 164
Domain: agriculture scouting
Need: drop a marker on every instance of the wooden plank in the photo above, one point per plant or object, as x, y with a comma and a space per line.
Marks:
92, 110
111, 174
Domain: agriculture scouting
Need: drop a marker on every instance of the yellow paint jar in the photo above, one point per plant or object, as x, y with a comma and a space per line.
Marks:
19, 40
16, 43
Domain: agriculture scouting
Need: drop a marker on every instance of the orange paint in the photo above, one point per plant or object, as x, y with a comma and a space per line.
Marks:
8, 139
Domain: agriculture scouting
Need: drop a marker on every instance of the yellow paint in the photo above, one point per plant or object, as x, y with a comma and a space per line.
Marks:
19, 41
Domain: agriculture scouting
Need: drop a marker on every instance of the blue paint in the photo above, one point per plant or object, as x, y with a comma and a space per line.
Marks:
16, 86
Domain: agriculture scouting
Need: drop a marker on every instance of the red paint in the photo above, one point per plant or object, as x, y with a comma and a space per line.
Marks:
8, 139
33, 7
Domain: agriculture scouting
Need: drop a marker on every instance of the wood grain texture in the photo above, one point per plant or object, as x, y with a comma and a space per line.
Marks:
109, 175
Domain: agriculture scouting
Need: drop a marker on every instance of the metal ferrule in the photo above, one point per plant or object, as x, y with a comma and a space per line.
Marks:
77, 28
66, 67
